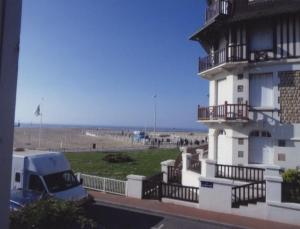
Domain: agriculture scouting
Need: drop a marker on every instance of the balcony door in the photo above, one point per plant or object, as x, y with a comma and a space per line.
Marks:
261, 90
260, 148
222, 92
222, 148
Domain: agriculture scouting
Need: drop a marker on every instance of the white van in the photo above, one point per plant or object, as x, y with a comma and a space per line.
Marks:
47, 173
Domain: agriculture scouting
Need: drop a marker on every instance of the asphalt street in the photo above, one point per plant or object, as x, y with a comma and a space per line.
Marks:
115, 217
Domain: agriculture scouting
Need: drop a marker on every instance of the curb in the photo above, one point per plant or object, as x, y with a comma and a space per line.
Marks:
159, 213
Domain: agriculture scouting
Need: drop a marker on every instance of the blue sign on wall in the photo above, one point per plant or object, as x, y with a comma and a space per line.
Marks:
207, 184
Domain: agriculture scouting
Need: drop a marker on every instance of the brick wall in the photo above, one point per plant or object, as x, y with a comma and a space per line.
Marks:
289, 99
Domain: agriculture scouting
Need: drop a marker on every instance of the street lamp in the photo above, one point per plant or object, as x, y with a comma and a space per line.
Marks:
155, 108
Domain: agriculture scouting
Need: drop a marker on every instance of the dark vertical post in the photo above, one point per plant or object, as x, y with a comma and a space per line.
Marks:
160, 190
246, 110
226, 110
10, 23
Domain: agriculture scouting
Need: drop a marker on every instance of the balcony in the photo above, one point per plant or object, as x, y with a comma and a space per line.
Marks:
225, 113
220, 7
229, 54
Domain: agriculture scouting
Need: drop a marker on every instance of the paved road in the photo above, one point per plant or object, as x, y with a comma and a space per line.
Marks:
113, 217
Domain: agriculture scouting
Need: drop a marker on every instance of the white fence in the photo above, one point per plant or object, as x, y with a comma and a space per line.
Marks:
103, 184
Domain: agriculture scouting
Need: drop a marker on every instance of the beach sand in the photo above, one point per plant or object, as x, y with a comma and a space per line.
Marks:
74, 139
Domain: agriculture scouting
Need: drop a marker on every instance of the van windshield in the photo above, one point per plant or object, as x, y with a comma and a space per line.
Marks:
57, 182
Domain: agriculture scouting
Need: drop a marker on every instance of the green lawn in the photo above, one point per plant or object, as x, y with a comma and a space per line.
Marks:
146, 162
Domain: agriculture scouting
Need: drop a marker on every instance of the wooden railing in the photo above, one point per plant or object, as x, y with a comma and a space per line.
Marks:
174, 175
248, 193
151, 188
242, 173
195, 165
221, 7
179, 192
226, 112
231, 53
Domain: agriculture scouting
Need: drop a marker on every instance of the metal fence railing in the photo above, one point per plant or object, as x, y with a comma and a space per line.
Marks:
174, 175
195, 165
242, 173
103, 184
248, 193
290, 192
180, 192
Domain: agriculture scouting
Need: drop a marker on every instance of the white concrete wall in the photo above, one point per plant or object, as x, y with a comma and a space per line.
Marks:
212, 92
190, 178
218, 198
236, 147
243, 82
135, 186
225, 151
291, 152
211, 144
227, 94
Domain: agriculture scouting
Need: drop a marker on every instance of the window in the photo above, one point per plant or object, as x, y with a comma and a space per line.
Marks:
254, 133
240, 100
222, 132
240, 76
241, 141
281, 143
17, 177
261, 90
266, 134
261, 37
35, 184
240, 88
240, 153
61, 181
281, 157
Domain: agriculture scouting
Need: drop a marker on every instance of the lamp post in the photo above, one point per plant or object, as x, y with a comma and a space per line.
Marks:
155, 112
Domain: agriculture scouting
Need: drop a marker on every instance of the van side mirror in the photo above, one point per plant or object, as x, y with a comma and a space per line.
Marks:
81, 181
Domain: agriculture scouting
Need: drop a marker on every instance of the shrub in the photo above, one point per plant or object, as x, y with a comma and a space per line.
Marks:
291, 176
117, 158
49, 214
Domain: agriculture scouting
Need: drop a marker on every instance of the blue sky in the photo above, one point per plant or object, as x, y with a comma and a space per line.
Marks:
101, 61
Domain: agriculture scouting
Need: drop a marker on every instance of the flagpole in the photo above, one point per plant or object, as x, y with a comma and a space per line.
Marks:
41, 122
40, 130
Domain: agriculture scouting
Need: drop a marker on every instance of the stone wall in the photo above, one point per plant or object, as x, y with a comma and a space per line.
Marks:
289, 99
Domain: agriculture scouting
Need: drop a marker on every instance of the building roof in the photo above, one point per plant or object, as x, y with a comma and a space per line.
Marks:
265, 9
244, 11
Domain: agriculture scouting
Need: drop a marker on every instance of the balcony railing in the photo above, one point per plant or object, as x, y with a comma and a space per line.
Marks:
231, 53
220, 7
223, 112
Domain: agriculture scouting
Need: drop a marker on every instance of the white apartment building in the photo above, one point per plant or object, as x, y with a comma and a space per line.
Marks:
253, 69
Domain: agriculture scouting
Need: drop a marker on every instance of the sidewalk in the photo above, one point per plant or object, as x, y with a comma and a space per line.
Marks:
158, 207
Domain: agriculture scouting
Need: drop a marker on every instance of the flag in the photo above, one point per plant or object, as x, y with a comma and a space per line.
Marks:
37, 111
